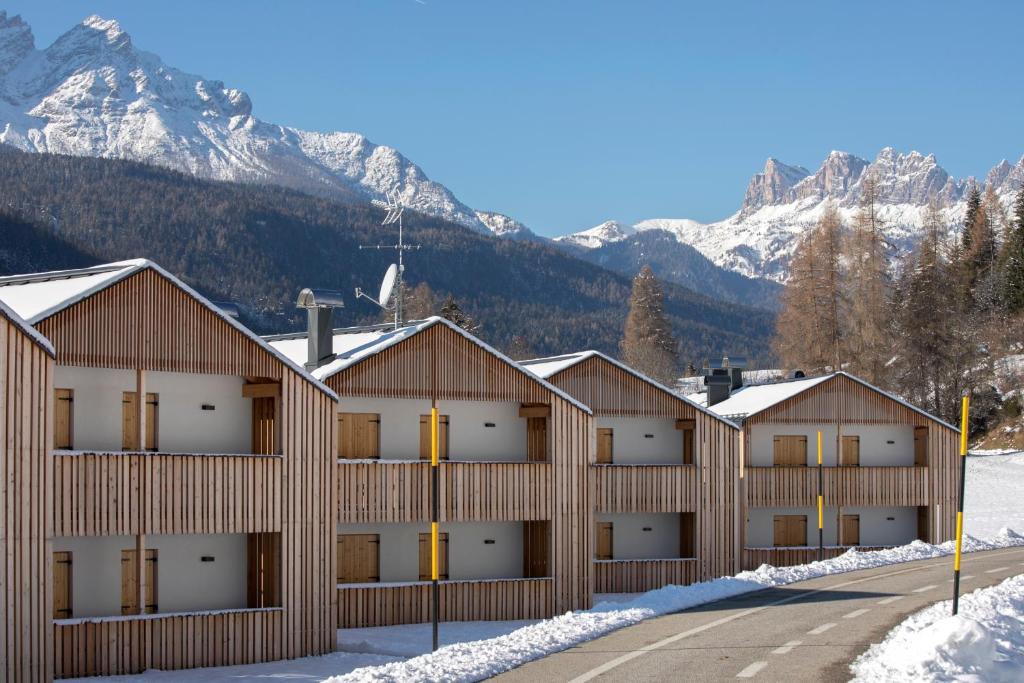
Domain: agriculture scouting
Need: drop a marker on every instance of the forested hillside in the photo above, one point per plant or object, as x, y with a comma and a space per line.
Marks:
258, 245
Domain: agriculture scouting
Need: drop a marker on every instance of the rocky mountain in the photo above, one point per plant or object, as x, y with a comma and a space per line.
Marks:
505, 227
783, 201
94, 93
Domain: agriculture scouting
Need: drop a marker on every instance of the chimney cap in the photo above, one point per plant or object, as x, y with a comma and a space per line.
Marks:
720, 380
728, 362
320, 298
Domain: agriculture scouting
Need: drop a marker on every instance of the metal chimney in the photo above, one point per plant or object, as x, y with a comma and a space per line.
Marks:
718, 386
319, 305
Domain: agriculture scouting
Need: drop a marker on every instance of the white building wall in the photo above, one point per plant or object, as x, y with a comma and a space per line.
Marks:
182, 425
878, 525
638, 536
875, 446
184, 582
469, 557
469, 439
644, 441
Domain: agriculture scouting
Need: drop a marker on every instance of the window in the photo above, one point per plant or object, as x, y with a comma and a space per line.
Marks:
358, 558
130, 582
264, 413
789, 451
130, 421
442, 557
62, 585
605, 541
263, 568
605, 445
687, 534
358, 436
63, 418
920, 446
442, 437
850, 530
536, 548
790, 530
688, 428
851, 452
536, 439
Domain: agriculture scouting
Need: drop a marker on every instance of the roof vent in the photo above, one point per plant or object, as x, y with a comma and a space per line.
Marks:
319, 305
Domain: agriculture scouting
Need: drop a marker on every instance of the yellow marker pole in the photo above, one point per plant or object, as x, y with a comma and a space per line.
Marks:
435, 507
821, 505
960, 504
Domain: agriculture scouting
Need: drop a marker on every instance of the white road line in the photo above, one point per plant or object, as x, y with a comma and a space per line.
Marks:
752, 670
787, 647
962, 578
922, 589
855, 613
889, 601
630, 656
996, 570
821, 629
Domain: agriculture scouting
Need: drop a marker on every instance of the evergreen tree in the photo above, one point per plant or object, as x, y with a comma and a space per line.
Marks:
648, 344
451, 312
981, 253
1012, 260
973, 205
520, 349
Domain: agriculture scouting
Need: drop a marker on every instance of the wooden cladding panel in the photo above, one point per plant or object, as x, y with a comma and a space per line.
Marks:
787, 557
470, 491
26, 499
611, 391
134, 493
798, 486
645, 488
637, 576
92, 648
460, 601
718, 534
425, 555
572, 498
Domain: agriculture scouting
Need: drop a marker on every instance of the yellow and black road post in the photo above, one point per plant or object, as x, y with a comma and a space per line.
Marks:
960, 504
435, 507
821, 505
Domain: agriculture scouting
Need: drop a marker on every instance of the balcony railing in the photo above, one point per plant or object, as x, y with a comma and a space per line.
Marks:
637, 576
399, 491
645, 488
798, 486
165, 493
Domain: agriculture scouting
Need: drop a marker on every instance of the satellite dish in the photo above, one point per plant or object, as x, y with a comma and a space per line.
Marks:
388, 285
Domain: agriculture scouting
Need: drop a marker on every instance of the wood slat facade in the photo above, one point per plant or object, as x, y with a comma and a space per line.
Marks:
637, 576
787, 557
798, 486
147, 321
440, 363
708, 487
26, 514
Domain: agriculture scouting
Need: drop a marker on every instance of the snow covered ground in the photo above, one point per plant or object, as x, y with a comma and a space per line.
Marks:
995, 492
984, 642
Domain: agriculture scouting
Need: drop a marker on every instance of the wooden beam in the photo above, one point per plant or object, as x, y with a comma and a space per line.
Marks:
686, 424
140, 407
261, 390
534, 411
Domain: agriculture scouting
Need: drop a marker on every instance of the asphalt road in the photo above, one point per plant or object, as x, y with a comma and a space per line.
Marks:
806, 631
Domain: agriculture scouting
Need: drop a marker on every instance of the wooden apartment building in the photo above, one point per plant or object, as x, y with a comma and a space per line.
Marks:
178, 509
514, 493
891, 470
663, 477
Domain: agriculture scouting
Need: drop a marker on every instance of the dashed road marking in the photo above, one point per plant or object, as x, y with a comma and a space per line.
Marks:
889, 601
922, 589
855, 613
752, 670
787, 647
821, 629
996, 570
962, 578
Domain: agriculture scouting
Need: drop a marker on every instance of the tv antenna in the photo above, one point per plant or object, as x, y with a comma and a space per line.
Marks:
392, 283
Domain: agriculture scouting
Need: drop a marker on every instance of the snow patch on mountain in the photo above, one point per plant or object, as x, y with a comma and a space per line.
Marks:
503, 226
93, 93
600, 235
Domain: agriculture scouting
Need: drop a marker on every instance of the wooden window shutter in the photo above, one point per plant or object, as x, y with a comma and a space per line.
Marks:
129, 421
442, 557
789, 451
264, 417
442, 437
130, 582
851, 452
536, 549
537, 439
358, 436
63, 418
358, 558
921, 446
62, 585
152, 421
605, 445
605, 541
790, 530
851, 529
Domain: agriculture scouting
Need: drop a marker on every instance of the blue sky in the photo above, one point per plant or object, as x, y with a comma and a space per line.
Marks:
565, 114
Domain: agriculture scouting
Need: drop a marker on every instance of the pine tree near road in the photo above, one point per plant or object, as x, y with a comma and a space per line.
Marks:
648, 344
1012, 260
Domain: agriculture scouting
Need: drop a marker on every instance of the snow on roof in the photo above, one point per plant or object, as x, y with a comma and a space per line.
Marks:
552, 365
37, 296
354, 344
29, 331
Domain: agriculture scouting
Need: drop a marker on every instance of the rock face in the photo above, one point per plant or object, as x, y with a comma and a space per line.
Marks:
93, 93
782, 202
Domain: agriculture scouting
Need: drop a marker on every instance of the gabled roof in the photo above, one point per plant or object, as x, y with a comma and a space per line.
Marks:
30, 332
37, 296
748, 401
355, 344
552, 365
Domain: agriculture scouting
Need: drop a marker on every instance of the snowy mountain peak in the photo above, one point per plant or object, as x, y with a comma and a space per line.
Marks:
771, 185
92, 93
598, 236
503, 226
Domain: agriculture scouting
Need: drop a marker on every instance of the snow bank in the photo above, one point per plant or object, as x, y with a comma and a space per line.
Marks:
473, 661
984, 642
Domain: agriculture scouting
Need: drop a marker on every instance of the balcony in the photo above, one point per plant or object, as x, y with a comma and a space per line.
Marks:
798, 486
645, 488
399, 491
638, 576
